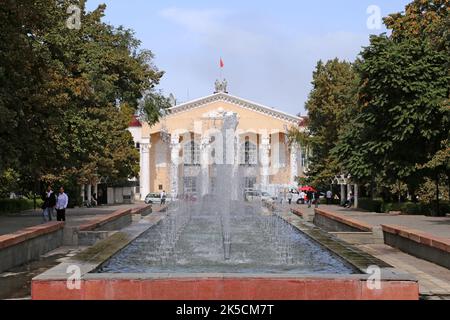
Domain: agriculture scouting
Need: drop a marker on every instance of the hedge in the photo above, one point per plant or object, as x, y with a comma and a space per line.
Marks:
18, 205
410, 208
375, 205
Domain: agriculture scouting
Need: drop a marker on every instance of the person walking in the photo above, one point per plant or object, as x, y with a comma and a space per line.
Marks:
329, 197
281, 197
310, 196
62, 202
317, 198
163, 198
290, 196
48, 205
302, 197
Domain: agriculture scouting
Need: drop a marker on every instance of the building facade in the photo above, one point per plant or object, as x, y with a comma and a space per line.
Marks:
182, 153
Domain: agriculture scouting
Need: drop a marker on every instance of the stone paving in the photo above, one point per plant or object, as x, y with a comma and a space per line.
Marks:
10, 223
434, 280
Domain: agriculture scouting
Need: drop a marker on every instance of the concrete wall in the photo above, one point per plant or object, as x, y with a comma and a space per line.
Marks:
333, 225
30, 249
121, 195
95, 287
117, 224
419, 250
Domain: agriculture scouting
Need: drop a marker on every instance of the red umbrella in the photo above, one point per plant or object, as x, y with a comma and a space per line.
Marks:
307, 189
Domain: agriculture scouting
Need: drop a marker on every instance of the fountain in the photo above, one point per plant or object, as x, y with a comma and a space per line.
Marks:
220, 247
222, 233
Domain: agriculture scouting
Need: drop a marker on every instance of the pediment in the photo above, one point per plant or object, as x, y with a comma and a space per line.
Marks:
236, 101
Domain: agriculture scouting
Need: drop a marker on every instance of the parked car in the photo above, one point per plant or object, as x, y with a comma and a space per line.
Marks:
252, 195
265, 196
156, 198
257, 195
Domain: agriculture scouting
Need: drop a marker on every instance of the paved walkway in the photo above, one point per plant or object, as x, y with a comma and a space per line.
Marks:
434, 280
10, 223
438, 226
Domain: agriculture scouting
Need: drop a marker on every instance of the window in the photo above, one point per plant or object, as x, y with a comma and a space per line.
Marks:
190, 185
191, 153
249, 154
138, 146
249, 182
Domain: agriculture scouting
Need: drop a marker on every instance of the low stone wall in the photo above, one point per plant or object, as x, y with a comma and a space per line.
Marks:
115, 221
143, 211
419, 244
333, 222
29, 244
298, 213
224, 287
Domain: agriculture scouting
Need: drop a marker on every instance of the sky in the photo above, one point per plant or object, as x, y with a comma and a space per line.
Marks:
269, 48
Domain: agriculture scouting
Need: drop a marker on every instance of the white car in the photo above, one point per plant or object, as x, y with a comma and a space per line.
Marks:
156, 198
257, 195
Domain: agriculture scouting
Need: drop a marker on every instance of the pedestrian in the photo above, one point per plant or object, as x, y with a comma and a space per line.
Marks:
49, 204
94, 200
317, 198
163, 198
349, 203
310, 196
329, 197
62, 202
290, 196
281, 196
302, 197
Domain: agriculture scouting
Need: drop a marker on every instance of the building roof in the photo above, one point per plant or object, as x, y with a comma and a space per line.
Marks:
247, 104
135, 122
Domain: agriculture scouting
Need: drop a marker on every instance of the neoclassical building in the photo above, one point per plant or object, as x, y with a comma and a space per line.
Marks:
182, 153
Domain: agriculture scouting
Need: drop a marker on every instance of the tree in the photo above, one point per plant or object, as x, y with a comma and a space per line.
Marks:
423, 20
67, 95
330, 105
429, 21
404, 85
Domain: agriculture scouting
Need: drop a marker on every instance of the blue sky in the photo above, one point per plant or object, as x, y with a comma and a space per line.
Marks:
270, 48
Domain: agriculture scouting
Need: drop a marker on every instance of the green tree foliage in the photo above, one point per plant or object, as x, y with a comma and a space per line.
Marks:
423, 20
67, 95
404, 85
331, 104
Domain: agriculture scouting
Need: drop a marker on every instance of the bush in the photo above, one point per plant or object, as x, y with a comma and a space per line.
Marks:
18, 205
411, 208
370, 205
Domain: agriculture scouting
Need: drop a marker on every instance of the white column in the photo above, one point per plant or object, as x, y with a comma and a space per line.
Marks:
144, 176
294, 163
265, 161
89, 192
175, 162
205, 161
82, 193
356, 196
349, 190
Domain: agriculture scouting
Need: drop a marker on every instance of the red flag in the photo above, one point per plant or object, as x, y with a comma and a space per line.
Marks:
221, 63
